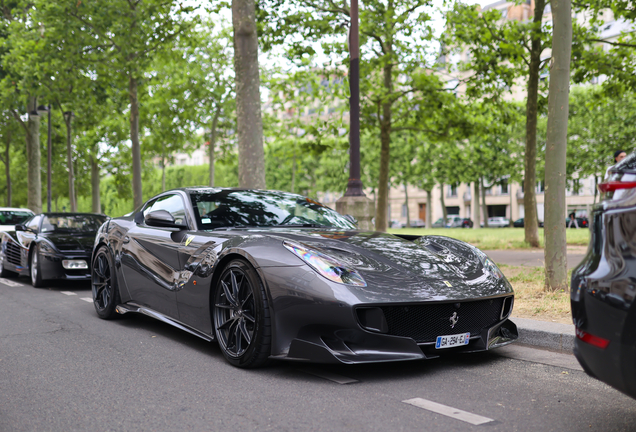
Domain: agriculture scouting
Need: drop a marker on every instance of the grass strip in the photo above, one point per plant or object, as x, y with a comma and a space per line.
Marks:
496, 238
531, 298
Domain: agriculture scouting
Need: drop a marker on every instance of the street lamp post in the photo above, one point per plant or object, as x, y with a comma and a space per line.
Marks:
354, 186
355, 202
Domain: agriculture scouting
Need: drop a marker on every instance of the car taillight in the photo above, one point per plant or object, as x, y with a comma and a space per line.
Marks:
612, 186
591, 339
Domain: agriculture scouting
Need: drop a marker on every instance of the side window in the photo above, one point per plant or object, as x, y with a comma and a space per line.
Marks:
34, 223
173, 204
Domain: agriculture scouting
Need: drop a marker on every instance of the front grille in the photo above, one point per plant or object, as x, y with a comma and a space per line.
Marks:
13, 254
425, 322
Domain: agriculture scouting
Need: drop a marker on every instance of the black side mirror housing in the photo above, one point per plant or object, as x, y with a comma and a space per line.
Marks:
162, 218
21, 227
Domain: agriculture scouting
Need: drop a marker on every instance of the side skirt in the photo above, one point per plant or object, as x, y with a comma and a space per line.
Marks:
134, 308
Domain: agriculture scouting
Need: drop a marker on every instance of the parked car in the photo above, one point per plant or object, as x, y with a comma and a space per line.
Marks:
10, 216
454, 222
439, 223
50, 246
497, 222
415, 223
603, 291
519, 223
581, 221
467, 223
274, 275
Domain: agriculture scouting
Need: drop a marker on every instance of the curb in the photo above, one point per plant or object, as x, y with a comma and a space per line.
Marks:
546, 335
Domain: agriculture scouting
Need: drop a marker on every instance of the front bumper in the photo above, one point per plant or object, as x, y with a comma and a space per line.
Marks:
315, 320
52, 268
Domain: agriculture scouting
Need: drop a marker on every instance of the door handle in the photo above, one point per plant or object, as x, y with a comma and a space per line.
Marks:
126, 239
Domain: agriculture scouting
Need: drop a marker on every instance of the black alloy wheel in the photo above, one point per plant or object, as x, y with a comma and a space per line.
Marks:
35, 269
241, 316
104, 283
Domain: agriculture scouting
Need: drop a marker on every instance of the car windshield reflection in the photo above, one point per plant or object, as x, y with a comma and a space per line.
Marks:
72, 223
246, 209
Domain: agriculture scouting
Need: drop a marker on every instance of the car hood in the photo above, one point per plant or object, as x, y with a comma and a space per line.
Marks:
429, 267
71, 242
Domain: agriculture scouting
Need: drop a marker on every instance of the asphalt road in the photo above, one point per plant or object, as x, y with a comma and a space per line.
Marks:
63, 369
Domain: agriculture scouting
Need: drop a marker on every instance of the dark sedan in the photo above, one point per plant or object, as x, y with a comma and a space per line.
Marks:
50, 246
603, 286
273, 275
520, 224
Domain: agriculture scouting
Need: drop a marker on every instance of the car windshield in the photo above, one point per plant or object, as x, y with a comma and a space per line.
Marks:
240, 208
13, 217
72, 223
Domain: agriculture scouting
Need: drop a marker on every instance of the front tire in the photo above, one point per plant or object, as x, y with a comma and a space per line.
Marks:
241, 316
34, 268
104, 284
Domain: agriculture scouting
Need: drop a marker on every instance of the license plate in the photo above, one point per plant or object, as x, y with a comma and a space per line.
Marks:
451, 341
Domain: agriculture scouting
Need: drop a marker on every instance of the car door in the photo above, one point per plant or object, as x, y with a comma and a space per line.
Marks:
150, 257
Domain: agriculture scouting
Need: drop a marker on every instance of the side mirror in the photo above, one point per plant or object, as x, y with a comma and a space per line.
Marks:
21, 227
162, 218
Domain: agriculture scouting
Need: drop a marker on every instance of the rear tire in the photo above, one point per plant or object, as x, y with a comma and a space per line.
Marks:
35, 269
104, 284
241, 316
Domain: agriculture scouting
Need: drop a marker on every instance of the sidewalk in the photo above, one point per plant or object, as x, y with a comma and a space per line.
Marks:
546, 335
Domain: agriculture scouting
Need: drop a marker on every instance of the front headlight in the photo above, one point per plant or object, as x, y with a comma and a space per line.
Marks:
492, 268
325, 265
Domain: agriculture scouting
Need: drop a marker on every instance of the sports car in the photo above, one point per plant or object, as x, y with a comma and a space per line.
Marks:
603, 285
273, 275
50, 246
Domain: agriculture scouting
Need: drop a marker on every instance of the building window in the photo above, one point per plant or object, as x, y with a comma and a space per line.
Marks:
452, 190
405, 210
540, 186
576, 187
505, 189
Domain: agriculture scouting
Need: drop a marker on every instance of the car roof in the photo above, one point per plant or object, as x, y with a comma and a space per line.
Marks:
16, 209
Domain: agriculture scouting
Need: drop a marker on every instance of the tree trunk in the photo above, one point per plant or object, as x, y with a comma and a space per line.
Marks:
69, 163
34, 179
476, 207
556, 272
484, 207
7, 166
381, 221
441, 200
429, 209
212, 145
531, 222
96, 201
134, 138
406, 203
248, 99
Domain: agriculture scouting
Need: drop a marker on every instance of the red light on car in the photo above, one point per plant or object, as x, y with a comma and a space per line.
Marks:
615, 185
591, 339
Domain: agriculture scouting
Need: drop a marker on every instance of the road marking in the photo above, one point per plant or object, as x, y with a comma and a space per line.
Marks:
67, 293
330, 376
455, 413
10, 282
87, 299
